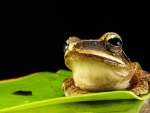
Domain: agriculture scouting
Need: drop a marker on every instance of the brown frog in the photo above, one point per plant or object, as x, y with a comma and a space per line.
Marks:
102, 65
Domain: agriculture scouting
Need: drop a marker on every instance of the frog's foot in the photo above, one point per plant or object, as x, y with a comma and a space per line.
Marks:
148, 78
141, 88
70, 88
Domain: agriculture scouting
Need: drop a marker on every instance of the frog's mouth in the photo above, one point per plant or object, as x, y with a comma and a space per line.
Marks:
103, 57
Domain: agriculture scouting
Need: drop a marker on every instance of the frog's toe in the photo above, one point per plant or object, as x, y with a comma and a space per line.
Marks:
139, 91
67, 83
73, 90
70, 88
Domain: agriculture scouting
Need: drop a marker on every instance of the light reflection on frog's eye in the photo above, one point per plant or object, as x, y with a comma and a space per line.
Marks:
115, 41
65, 46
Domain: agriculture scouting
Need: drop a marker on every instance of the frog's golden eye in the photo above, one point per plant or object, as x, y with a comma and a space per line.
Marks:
113, 43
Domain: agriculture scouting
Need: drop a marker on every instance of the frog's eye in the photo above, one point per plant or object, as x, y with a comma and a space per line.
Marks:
115, 41
65, 46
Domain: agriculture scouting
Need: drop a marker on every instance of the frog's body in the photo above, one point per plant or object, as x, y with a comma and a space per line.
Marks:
102, 65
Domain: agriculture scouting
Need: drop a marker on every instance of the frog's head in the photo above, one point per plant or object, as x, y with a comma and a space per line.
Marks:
99, 60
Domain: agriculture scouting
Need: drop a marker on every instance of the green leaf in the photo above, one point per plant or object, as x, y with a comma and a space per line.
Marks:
47, 96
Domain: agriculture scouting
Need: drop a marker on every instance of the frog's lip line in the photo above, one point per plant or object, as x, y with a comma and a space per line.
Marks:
97, 57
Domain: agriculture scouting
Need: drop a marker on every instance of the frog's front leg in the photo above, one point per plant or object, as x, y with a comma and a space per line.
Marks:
70, 88
141, 76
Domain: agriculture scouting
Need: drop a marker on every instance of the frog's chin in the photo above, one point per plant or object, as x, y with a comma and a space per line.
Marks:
99, 76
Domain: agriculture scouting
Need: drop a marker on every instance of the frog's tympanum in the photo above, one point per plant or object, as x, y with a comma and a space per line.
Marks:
102, 65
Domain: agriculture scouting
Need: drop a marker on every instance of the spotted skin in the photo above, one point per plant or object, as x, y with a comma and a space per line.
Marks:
70, 89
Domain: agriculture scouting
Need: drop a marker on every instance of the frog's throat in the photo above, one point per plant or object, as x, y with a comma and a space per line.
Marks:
95, 76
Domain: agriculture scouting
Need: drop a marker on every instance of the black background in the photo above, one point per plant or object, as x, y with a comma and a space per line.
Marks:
33, 34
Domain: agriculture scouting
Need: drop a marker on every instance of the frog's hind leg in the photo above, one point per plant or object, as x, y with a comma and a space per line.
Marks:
148, 78
142, 86
70, 88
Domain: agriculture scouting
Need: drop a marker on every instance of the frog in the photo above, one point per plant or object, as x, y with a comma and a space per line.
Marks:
101, 65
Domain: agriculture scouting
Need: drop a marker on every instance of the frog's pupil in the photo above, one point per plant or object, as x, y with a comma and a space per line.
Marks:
115, 41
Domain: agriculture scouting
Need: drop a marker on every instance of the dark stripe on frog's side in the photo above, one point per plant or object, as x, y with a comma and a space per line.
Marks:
90, 45
100, 46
